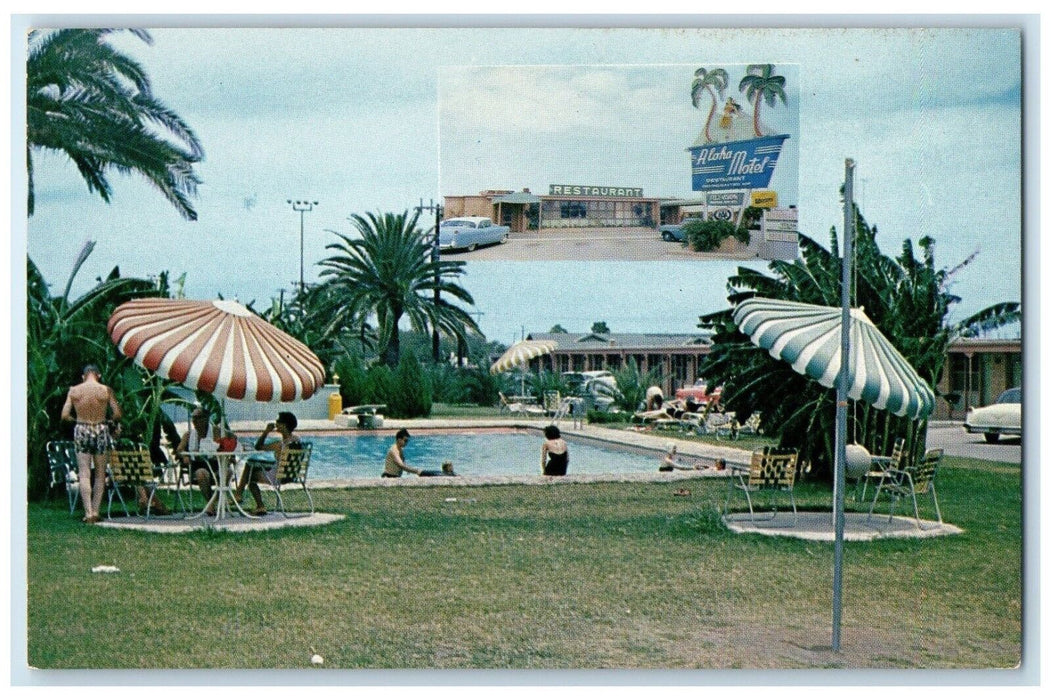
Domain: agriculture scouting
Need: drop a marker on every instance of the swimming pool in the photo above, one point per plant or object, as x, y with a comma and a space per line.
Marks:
472, 454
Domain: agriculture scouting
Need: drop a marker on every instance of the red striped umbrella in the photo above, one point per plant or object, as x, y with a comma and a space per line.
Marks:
216, 346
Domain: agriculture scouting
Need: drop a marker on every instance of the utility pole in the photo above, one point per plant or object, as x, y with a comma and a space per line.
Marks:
302, 206
435, 253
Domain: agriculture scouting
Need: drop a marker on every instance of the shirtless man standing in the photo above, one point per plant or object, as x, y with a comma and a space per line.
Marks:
89, 401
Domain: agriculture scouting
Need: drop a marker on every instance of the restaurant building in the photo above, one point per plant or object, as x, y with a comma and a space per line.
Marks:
975, 372
565, 206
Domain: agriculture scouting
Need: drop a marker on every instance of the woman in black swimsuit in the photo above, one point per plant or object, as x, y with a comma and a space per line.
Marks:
554, 453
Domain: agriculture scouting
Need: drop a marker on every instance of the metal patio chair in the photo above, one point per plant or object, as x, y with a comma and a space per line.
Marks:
910, 482
292, 469
772, 470
62, 459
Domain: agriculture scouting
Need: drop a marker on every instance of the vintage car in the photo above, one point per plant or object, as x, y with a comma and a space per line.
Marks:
698, 393
671, 232
469, 232
1003, 417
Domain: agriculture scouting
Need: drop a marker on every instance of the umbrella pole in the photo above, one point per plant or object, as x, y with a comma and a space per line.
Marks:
839, 480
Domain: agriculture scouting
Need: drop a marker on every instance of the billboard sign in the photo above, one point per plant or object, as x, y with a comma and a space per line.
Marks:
764, 199
725, 199
735, 165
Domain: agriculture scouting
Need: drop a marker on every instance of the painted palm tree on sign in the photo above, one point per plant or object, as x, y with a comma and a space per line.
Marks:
94, 104
708, 81
760, 84
388, 272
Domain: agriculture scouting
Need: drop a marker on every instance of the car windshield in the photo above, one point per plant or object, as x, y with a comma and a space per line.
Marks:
1010, 396
458, 222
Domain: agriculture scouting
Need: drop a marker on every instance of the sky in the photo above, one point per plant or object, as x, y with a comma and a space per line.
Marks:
364, 120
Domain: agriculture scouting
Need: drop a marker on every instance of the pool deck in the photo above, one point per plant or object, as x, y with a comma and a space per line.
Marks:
811, 526
650, 441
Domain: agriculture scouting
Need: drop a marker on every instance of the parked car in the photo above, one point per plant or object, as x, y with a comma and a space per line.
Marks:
671, 232
469, 232
698, 393
599, 387
1003, 417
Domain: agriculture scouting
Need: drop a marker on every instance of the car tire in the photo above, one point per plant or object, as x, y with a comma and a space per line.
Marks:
504, 238
992, 438
668, 238
473, 247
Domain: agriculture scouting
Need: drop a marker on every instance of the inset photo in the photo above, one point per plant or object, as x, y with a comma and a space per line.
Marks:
632, 162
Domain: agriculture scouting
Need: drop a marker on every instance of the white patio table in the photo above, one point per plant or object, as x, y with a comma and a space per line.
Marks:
225, 481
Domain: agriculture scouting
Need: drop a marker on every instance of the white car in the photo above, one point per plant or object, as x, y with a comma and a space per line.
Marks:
1004, 417
469, 232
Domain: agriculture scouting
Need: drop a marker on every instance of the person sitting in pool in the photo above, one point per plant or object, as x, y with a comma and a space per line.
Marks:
670, 463
554, 453
447, 470
395, 464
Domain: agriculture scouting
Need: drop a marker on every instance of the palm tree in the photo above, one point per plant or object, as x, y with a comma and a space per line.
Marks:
388, 272
761, 84
905, 297
709, 81
93, 103
316, 317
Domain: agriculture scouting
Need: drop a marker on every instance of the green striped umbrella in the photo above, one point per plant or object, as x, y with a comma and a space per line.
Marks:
808, 338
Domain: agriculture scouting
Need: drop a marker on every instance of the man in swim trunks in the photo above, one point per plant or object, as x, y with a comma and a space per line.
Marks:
87, 404
394, 464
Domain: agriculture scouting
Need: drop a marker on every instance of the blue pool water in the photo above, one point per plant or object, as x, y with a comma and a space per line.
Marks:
472, 454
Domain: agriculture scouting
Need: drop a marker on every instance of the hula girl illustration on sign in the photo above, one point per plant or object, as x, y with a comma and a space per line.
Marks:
758, 85
735, 150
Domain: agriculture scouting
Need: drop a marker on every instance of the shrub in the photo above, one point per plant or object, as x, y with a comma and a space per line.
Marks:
379, 384
447, 384
411, 391
704, 236
353, 381
599, 417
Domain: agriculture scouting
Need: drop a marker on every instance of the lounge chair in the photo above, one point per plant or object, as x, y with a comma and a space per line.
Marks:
772, 470
62, 458
517, 407
552, 402
908, 482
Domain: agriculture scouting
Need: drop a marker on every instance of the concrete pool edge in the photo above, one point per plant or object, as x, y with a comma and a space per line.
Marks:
647, 443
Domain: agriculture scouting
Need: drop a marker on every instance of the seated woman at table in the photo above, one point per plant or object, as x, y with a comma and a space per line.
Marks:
201, 437
259, 470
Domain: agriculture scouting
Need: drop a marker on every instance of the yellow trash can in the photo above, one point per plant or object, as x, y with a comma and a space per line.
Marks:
335, 405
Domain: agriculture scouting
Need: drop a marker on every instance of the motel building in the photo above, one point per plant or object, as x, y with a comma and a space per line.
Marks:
975, 372
565, 206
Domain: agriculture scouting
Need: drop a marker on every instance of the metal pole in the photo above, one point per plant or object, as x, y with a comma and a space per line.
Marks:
435, 255
302, 206
839, 481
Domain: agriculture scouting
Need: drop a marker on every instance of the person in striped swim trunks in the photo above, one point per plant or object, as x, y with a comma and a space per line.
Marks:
87, 404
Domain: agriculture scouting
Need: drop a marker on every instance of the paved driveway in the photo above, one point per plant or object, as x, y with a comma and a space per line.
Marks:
587, 244
951, 437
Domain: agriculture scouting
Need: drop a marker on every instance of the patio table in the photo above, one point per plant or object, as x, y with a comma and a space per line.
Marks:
225, 461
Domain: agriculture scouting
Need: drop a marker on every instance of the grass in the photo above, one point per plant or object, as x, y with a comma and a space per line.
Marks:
583, 576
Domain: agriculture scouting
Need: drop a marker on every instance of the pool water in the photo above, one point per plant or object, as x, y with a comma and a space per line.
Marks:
472, 454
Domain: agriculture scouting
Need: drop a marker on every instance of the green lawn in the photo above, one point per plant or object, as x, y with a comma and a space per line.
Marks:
585, 576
